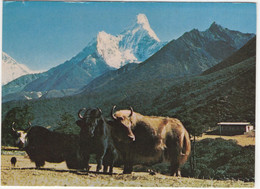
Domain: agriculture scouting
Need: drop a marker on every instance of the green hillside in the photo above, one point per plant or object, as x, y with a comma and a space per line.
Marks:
247, 51
224, 95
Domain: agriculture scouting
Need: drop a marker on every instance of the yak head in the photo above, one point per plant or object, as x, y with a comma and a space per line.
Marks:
20, 136
123, 123
89, 121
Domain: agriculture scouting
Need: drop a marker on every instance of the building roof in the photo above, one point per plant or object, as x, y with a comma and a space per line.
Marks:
234, 123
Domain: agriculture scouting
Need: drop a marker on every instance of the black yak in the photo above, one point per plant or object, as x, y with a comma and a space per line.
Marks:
95, 138
43, 145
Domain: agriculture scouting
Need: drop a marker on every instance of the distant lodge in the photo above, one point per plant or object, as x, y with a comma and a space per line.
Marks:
231, 128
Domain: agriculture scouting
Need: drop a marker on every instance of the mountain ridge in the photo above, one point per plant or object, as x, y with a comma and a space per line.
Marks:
104, 53
186, 56
190, 54
12, 69
247, 51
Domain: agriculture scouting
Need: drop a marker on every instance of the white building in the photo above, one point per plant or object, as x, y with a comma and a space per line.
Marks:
235, 127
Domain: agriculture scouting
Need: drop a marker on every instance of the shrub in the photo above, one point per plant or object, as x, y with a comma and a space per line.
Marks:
222, 159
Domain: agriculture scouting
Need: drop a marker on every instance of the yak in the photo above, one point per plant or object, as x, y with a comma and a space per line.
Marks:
149, 139
95, 138
43, 145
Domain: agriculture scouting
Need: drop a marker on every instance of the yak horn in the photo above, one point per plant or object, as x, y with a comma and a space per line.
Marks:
131, 109
13, 126
112, 112
30, 126
100, 112
79, 113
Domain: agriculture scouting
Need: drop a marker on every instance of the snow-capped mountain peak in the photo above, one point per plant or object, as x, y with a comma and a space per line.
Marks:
134, 45
108, 47
143, 21
12, 69
105, 52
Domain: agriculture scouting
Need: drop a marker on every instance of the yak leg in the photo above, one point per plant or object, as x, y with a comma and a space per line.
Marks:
109, 160
36, 157
175, 154
113, 158
105, 164
105, 167
39, 163
178, 172
175, 164
106, 160
111, 169
85, 161
128, 168
99, 159
111, 166
175, 168
128, 163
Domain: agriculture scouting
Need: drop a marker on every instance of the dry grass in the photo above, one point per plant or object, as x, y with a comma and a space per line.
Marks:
57, 174
24, 174
243, 140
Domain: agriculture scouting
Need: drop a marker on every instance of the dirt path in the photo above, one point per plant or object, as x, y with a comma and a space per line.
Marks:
24, 174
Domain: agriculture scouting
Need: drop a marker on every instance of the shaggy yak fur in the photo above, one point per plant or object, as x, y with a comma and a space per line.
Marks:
95, 138
150, 139
43, 145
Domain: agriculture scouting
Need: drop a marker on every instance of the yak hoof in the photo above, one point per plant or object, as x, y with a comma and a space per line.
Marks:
177, 174
127, 172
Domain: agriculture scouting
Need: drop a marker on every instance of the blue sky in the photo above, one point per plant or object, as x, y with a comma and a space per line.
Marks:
42, 35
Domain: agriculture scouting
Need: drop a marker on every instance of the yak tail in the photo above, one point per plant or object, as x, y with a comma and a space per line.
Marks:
187, 147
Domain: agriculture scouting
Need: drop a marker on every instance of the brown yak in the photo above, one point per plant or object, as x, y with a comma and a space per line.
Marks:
150, 139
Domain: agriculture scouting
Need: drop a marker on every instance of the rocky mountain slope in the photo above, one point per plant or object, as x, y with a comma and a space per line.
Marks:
226, 92
247, 51
194, 52
191, 54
